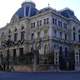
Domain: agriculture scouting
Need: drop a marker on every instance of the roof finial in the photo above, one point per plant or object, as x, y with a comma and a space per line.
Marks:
27, 0
48, 5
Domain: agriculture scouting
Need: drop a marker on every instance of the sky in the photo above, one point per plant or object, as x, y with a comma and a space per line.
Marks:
9, 7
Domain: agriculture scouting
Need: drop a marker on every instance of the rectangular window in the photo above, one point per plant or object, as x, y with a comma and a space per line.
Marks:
15, 36
22, 35
40, 22
65, 25
60, 23
55, 21
37, 23
46, 21
65, 36
60, 50
74, 36
55, 33
9, 37
61, 35
79, 37
33, 25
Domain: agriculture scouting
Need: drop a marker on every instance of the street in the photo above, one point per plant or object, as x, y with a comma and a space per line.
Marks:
40, 76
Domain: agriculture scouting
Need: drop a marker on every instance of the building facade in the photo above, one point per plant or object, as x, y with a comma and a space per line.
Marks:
53, 36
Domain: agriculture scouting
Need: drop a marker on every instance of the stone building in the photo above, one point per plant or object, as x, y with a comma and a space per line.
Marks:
53, 36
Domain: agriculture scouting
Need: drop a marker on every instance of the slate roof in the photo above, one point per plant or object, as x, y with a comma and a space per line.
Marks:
20, 12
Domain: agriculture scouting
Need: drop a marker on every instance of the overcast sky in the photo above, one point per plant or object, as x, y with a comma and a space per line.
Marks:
9, 7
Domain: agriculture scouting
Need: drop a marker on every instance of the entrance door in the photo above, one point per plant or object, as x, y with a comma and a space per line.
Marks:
61, 59
72, 60
21, 55
14, 56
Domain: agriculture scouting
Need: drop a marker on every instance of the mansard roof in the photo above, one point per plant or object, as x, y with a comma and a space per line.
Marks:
28, 9
67, 13
20, 13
